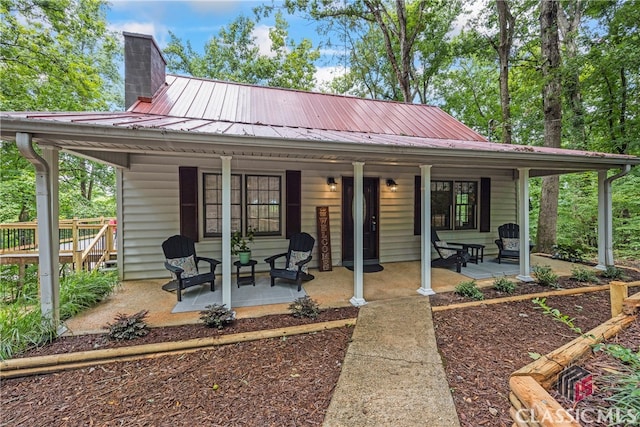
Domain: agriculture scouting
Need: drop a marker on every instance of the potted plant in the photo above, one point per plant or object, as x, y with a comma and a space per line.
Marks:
240, 245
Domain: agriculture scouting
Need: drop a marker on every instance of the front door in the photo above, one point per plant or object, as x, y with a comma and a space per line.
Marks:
371, 189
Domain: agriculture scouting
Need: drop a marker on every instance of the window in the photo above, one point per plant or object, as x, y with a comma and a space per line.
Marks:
441, 201
213, 204
261, 210
263, 204
457, 199
454, 205
466, 194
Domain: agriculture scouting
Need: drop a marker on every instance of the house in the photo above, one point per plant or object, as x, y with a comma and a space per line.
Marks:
202, 158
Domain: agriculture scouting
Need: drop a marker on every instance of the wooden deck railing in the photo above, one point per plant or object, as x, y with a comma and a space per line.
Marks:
88, 241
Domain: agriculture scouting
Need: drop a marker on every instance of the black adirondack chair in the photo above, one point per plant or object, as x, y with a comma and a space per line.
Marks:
296, 258
448, 255
508, 242
182, 261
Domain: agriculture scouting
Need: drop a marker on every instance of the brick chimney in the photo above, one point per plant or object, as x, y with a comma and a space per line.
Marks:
144, 68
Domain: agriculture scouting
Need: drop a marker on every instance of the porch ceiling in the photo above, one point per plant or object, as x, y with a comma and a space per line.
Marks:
89, 134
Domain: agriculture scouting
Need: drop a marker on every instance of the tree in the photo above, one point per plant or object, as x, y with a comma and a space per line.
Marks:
569, 17
397, 47
56, 55
552, 106
233, 55
507, 28
611, 79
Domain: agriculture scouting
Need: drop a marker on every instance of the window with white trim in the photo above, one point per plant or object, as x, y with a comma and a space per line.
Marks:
212, 186
260, 210
454, 205
264, 202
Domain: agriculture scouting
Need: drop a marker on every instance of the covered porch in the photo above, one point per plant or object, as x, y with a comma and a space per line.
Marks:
330, 289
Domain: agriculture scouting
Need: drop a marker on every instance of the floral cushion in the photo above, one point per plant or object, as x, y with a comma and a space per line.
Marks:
295, 257
188, 264
446, 253
511, 244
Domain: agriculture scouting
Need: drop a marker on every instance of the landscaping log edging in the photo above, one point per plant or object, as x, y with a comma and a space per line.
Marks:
531, 404
573, 291
27, 366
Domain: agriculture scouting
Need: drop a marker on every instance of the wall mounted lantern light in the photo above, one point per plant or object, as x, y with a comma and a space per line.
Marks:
333, 185
392, 185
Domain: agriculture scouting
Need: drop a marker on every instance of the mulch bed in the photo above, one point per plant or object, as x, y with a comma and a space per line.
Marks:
290, 381
277, 382
481, 346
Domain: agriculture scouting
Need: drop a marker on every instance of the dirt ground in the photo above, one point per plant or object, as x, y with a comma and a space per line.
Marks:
289, 382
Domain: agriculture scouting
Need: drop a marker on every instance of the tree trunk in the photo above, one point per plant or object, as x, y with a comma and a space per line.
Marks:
568, 24
507, 23
548, 218
402, 65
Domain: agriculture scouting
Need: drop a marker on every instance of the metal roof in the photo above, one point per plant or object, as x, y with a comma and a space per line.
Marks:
219, 101
196, 116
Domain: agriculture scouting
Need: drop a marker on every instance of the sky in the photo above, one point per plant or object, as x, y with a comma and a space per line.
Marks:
198, 20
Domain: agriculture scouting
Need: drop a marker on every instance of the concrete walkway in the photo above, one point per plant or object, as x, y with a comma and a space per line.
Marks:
392, 373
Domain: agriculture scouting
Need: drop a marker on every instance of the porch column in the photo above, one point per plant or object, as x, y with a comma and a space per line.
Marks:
523, 220
425, 237
605, 217
603, 210
226, 230
120, 224
358, 235
52, 157
49, 286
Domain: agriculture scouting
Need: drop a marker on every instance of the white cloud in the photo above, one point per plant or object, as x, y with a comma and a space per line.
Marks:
159, 32
324, 75
262, 40
463, 21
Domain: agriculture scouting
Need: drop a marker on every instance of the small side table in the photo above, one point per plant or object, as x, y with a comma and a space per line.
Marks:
476, 251
246, 279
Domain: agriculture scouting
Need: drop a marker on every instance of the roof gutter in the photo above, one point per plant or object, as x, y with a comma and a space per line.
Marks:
49, 284
625, 170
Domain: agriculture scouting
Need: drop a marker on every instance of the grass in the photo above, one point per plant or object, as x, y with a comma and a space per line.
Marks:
80, 291
21, 323
21, 328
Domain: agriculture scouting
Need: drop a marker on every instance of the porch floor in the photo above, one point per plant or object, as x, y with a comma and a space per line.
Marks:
329, 289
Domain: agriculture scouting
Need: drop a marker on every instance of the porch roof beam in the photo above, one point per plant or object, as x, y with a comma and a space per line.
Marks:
221, 144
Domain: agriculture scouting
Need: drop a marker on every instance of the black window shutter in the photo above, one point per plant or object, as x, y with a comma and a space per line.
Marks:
294, 202
485, 205
417, 206
188, 188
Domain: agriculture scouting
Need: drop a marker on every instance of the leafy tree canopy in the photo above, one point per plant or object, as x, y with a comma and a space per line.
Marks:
57, 55
233, 55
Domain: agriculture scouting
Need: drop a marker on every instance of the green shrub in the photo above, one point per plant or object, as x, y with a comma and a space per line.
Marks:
79, 291
305, 307
469, 289
503, 284
217, 316
128, 327
545, 276
22, 328
571, 253
585, 275
21, 324
12, 289
612, 272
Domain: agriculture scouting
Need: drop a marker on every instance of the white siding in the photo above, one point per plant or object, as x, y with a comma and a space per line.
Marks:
151, 210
